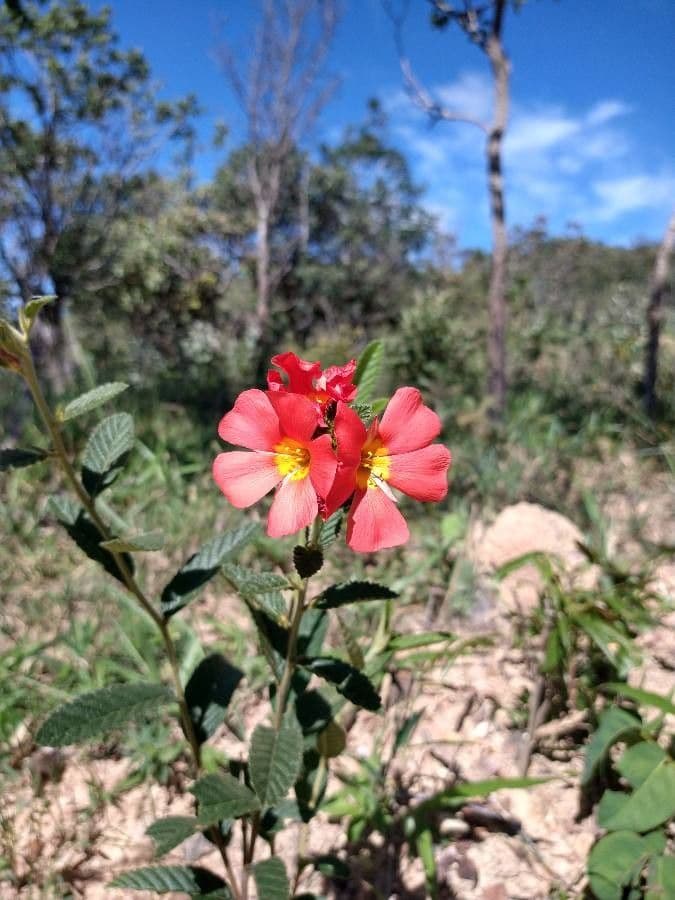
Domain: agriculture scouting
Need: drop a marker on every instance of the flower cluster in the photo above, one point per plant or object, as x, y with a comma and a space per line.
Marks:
302, 437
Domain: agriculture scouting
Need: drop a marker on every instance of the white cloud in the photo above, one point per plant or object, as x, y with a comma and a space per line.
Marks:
582, 165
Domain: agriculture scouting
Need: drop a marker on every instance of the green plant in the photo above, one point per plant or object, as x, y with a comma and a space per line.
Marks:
637, 805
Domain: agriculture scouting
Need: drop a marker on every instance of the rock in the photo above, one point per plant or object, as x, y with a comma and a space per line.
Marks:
527, 528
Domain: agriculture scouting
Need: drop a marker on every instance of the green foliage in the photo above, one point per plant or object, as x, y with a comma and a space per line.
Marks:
222, 797
191, 880
307, 560
368, 370
202, 566
631, 856
92, 400
208, 693
275, 759
106, 451
96, 714
170, 832
353, 592
17, 458
348, 681
139, 543
271, 879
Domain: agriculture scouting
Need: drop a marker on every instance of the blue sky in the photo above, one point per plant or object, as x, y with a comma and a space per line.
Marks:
592, 128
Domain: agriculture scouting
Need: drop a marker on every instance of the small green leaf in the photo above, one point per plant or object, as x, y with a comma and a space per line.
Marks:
348, 681
170, 832
274, 761
271, 879
92, 715
249, 583
208, 693
191, 880
87, 536
610, 803
638, 761
202, 566
651, 804
331, 529
425, 850
354, 652
11, 458
352, 592
106, 451
457, 795
223, 797
29, 312
331, 741
92, 399
641, 697
615, 725
368, 369
148, 540
614, 862
313, 711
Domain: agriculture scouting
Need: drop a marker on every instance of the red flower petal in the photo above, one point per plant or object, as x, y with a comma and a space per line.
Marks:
350, 434
407, 424
298, 416
294, 506
251, 423
374, 522
421, 474
301, 373
322, 464
245, 477
337, 381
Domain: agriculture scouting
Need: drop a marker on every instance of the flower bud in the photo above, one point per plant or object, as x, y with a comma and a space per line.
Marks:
12, 347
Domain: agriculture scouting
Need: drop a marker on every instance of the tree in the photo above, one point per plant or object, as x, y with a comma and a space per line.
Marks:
658, 292
281, 92
483, 24
79, 123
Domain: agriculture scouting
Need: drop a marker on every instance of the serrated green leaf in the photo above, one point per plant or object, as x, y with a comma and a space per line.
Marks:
202, 566
171, 831
208, 693
348, 681
250, 584
354, 652
271, 879
651, 804
272, 604
331, 529
223, 797
147, 540
106, 451
191, 880
92, 715
274, 760
614, 862
638, 761
352, 592
368, 370
615, 725
87, 536
331, 741
92, 399
640, 696
16, 458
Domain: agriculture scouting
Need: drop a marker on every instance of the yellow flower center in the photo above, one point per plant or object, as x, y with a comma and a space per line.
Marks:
374, 465
292, 459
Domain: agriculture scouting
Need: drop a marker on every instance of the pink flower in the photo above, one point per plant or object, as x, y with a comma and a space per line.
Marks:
279, 429
307, 378
396, 452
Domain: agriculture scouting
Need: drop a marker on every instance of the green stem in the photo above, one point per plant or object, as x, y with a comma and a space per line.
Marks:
54, 429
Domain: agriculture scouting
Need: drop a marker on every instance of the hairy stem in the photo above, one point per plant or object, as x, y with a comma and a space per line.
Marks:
54, 429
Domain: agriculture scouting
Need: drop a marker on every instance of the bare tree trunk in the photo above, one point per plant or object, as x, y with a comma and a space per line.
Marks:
497, 293
262, 269
658, 293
